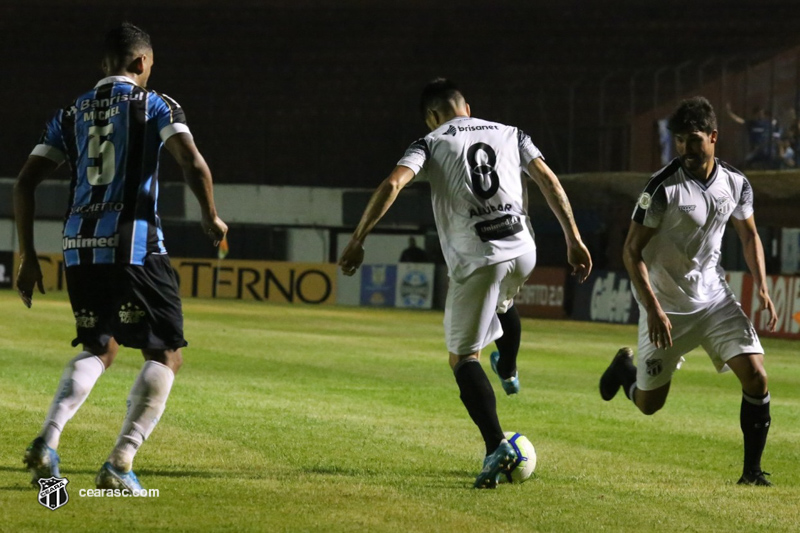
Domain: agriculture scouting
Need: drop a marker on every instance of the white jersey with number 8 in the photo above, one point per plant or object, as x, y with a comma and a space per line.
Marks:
474, 168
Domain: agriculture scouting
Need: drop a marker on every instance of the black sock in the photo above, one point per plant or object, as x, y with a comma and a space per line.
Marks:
628, 378
478, 397
508, 344
755, 422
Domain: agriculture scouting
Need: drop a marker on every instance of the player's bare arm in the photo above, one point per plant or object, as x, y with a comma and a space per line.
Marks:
380, 202
33, 172
198, 176
753, 251
577, 253
658, 324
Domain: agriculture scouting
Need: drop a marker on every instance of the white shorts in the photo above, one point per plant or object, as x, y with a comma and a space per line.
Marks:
470, 313
722, 329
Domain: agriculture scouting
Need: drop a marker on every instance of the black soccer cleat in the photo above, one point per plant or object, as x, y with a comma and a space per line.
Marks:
612, 378
754, 478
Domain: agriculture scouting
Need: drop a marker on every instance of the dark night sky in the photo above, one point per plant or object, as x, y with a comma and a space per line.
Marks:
324, 93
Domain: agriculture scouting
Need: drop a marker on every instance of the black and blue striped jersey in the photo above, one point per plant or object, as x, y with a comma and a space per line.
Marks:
111, 137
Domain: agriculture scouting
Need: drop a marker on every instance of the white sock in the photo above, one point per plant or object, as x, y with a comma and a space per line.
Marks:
146, 404
79, 376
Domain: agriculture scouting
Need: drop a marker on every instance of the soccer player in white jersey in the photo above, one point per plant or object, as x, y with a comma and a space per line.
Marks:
672, 256
473, 167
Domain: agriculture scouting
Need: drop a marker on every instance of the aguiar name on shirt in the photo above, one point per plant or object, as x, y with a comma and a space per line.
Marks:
488, 210
75, 243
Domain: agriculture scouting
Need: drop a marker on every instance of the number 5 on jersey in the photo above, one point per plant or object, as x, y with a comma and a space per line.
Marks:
103, 155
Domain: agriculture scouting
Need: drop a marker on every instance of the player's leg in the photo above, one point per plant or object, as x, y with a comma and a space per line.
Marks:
88, 289
504, 360
647, 383
478, 397
754, 416
153, 322
732, 340
146, 403
470, 323
77, 381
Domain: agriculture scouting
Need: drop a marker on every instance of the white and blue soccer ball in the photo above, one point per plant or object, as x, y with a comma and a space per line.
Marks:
525, 463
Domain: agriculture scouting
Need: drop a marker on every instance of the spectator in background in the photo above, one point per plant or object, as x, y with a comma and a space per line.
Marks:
664, 141
786, 153
413, 254
791, 140
762, 145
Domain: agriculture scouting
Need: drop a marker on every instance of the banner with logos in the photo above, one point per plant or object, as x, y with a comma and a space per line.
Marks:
271, 281
790, 251
415, 285
605, 297
6, 269
542, 296
52, 265
785, 294
378, 285
408, 285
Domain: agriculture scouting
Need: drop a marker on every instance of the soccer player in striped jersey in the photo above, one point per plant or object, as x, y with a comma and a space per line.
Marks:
121, 286
474, 169
672, 255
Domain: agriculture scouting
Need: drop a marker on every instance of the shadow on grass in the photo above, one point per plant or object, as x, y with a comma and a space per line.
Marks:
141, 473
445, 479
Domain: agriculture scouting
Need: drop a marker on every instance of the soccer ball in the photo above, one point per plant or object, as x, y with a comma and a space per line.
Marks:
525, 463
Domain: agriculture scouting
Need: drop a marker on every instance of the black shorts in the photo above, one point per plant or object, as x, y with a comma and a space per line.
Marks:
138, 305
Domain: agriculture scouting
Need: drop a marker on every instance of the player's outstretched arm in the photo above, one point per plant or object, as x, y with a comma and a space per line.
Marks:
198, 176
33, 172
577, 254
753, 251
383, 197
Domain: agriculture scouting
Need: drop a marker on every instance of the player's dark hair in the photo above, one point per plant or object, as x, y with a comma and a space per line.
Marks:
439, 94
693, 114
124, 43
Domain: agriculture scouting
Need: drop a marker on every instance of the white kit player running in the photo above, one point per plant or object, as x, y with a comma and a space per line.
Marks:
474, 167
672, 255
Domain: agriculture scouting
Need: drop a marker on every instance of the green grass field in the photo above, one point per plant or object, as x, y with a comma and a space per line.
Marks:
324, 419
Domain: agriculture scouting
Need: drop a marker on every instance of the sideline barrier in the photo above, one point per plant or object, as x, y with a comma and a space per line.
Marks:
271, 281
785, 294
409, 285
605, 297
542, 296
6, 269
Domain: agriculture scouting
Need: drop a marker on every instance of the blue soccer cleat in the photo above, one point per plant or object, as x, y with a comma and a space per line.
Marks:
110, 478
510, 385
495, 463
42, 461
